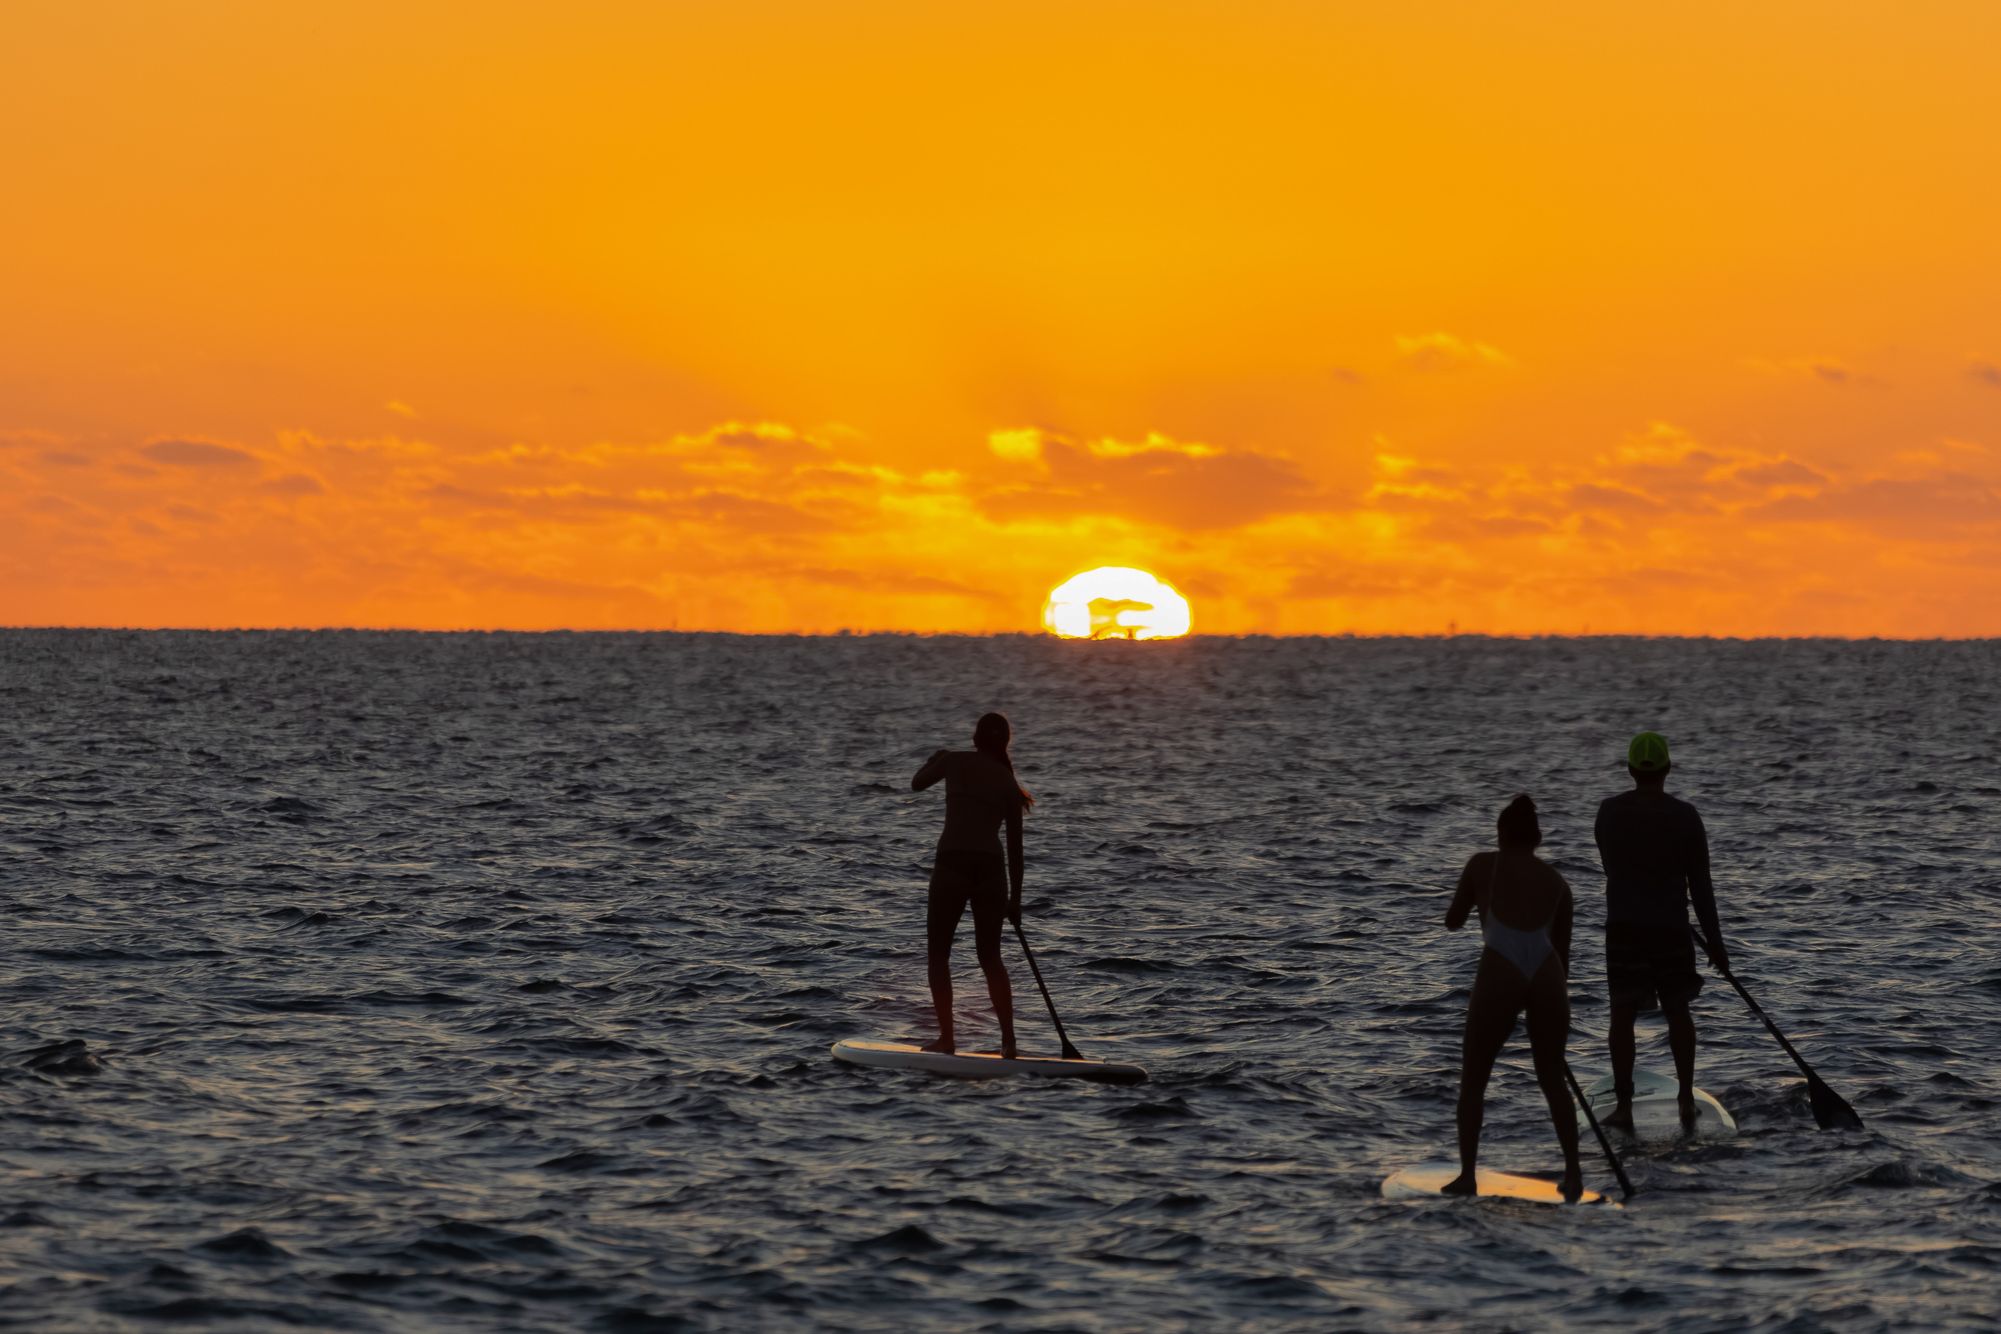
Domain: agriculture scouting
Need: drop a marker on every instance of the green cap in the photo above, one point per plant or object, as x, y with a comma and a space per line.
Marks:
1648, 753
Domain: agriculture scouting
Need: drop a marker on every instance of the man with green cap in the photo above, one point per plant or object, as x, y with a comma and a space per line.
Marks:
1656, 858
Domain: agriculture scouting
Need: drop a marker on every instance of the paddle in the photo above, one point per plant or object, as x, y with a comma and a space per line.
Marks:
1070, 1052
1599, 1131
1830, 1110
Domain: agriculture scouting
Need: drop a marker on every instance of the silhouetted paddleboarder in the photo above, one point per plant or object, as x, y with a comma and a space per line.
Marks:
1525, 917
1656, 858
981, 793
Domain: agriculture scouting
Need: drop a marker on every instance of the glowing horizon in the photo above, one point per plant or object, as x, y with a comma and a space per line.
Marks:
775, 317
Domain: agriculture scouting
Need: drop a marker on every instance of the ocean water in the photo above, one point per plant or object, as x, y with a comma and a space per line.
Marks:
400, 982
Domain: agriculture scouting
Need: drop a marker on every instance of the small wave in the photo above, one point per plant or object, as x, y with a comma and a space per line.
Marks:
480, 1241
246, 1244
909, 1239
422, 998
293, 810
69, 1057
598, 1047
1898, 1174
580, 1160
1125, 963
296, 917
632, 1320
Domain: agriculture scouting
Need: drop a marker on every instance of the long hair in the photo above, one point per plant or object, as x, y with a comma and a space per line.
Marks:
1518, 826
990, 737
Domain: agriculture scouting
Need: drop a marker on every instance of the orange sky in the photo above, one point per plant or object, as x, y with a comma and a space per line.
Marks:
799, 316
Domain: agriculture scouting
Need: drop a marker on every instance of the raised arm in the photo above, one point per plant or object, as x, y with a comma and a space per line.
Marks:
1465, 896
933, 770
1702, 893
1014, 866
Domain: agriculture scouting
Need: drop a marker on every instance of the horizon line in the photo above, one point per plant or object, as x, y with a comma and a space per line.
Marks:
847, 633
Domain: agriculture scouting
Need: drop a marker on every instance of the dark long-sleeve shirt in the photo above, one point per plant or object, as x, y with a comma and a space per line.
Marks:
1656, 858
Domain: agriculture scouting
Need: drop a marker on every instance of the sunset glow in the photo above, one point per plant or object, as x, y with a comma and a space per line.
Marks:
1113, 602
794, 317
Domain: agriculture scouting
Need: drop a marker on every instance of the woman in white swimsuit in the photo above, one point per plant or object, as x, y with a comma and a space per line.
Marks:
1525, 911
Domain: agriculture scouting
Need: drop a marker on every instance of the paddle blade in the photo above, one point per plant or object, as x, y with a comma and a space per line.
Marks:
1830, 1110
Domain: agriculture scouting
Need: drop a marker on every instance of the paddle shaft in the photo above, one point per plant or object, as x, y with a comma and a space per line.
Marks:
1599, 1131
1815, 1084
1070, 1052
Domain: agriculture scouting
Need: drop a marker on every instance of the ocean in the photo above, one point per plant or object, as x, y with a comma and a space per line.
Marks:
372, 981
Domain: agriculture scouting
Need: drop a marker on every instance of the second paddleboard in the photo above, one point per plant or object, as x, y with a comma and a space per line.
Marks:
1657, 1110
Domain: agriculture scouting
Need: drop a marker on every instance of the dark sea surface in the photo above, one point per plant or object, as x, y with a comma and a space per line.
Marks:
401, 982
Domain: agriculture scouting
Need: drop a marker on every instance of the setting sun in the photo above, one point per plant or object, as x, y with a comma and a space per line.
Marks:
1115, 602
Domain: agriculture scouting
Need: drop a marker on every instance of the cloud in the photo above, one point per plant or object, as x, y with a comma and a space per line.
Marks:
1355, 581
63, 458
1613, 498
1158, 480
1155, 444
1985, 372
197, 454
1434, 353
920, 584
769, 527
1778, 472
575, 504
1661, 474
1926, 504
294, 484
1830, 371
1017, 446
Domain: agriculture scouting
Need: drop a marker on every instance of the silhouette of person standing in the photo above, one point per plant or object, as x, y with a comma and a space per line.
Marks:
981, 794
1656, 858
1525, 915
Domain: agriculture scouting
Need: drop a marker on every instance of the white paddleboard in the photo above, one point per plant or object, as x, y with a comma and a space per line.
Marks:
1657, 1110
980, 1064
1426, 1180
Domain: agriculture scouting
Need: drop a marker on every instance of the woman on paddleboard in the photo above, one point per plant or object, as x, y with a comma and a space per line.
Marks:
981, 794
1525, 911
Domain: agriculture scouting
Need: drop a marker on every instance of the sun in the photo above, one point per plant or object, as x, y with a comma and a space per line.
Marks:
1115, 602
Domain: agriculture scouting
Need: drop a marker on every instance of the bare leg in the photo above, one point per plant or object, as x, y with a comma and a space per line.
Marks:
1490, 1017
1549, 1027
1619, 1037
1681, 1040
940, 924
1001, 990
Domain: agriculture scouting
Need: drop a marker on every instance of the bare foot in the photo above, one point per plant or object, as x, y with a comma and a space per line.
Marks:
1008, 1050
1572, 1185
1621, 1118
1689, 1111
943, 1044
1463, 1184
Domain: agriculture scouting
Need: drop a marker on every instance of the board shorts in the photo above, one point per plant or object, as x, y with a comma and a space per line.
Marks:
1648, 966
957, 878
